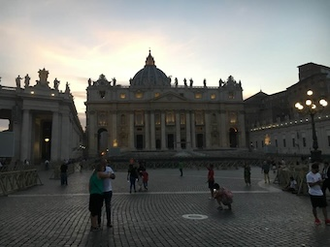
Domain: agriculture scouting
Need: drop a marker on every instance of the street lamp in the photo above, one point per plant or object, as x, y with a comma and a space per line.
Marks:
312, 107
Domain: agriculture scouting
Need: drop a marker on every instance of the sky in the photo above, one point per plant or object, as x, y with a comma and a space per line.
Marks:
259, 42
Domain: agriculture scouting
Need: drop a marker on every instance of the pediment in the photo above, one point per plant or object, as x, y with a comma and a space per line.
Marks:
169, 97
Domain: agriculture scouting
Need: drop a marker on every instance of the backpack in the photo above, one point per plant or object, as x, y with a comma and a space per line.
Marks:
228, 193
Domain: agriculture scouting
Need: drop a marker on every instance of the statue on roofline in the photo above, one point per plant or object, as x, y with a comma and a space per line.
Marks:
56, 83
191, 82
176, 82
185, 82
18, 81
27, 80
89, 82
67, 88
204, 82
43, 75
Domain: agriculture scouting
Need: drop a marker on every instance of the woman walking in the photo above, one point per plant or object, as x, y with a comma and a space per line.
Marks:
247, 174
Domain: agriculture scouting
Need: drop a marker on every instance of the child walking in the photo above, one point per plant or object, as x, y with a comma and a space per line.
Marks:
145, 178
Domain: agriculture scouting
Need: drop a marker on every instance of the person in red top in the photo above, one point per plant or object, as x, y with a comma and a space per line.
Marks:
145, 178
210, 179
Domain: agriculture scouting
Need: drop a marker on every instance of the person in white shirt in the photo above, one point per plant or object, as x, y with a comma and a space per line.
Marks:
107, 192
314, 181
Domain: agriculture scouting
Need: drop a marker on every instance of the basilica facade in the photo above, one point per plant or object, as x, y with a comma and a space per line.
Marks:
152, 112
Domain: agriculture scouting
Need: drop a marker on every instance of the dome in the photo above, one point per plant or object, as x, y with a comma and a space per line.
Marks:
150, 76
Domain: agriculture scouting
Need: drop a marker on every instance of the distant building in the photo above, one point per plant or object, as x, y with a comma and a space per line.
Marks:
156, 113
273, 123
44, 120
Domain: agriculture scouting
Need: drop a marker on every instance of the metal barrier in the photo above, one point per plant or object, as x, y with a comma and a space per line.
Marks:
12, 181
188, 163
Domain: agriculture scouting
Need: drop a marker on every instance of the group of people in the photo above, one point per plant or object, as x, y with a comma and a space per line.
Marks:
100, 190
137, 174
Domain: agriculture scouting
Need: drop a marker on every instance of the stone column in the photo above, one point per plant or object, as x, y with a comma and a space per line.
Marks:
93, 145
131, 132
207, 129
188, 134
242, 138
147, 130
224, 133
178, 131
152, 131
113, 130
162, 126
66, 148
54, 153
193, 134
17, 127
26, 136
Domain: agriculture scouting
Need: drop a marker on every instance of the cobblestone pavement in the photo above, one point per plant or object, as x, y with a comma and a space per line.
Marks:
262, 215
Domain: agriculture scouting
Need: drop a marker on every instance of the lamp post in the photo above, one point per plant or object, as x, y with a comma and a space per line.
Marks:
311, 107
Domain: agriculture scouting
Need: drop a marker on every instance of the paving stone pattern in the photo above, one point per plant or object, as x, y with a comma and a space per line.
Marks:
262, 215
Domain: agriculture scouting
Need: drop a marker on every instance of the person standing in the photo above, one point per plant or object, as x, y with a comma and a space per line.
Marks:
265, 169
64, 175
107, 191
181, 168
247, 174
96, 194
132, 175
314, 182
145, 178
326, 177
210, 179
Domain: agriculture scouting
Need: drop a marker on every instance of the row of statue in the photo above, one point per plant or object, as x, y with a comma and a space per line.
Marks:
27, 83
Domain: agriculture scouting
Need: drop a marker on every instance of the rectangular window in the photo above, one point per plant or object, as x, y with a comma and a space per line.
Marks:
157, 119
198, 95
256, 144
231, 95
199, 118
284, 143
304, 141
329, 141
170, 118
139, 120
182, 119
293, 142
262, 143
276, 144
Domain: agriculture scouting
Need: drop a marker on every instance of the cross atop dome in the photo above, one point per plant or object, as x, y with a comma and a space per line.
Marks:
150, 60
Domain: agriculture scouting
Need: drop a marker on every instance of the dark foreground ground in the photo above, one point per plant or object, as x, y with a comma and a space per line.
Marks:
176, 211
